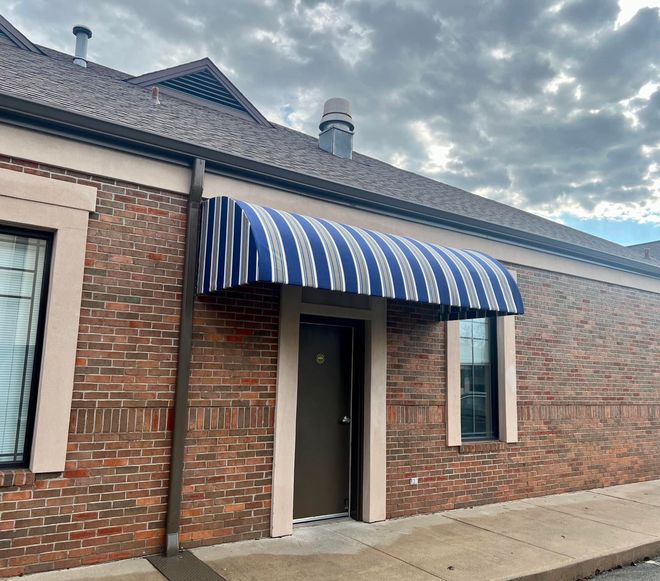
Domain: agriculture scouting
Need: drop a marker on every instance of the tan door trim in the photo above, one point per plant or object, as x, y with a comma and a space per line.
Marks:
374, 312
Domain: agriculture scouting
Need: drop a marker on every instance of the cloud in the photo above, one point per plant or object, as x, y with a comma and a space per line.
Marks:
550, 106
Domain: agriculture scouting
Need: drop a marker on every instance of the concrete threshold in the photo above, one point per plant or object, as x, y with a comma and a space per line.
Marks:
559, 538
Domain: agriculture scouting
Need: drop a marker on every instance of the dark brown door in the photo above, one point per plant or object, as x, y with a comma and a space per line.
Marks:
323, 430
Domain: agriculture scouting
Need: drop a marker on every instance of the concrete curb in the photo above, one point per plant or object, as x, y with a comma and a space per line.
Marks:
594, 565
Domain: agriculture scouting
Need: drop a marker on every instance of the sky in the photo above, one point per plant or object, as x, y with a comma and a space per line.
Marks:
550, 106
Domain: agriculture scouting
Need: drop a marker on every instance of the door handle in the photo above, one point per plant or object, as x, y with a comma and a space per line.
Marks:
345, 420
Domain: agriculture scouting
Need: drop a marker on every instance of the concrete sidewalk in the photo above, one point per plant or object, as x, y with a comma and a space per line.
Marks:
561, 537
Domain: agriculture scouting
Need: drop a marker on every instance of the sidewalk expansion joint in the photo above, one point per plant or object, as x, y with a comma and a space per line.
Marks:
621, 498
589, 518
508, 537
382, 552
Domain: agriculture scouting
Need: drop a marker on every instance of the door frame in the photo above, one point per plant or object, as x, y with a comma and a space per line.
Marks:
295, 302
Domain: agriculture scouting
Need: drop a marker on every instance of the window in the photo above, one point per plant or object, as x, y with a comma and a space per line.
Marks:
63, 209
484, 344
24, 261
479, 401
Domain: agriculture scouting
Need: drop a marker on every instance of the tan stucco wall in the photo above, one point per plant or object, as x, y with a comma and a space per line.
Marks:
453, 384
92, 159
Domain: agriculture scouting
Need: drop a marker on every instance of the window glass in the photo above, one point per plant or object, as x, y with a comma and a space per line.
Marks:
23, 261
478, 383
466, 350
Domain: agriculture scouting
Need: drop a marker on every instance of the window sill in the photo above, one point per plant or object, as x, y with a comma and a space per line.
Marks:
482, 447
16, 477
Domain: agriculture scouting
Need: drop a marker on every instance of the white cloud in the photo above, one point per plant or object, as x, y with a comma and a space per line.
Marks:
438, 151
349, 38
299, 112
555, 84
501, 53
399, 159
632, 106
628, 9
285, 45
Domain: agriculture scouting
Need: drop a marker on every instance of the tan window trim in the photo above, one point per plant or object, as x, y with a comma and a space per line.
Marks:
506, 379
63, 208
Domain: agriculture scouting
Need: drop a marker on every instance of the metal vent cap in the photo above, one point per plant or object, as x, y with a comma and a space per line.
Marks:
335, 110
78, 28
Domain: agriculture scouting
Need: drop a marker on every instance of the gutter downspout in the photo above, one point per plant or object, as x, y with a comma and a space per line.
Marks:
185, 352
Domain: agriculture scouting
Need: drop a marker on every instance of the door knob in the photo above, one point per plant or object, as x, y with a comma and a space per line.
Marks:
345, 420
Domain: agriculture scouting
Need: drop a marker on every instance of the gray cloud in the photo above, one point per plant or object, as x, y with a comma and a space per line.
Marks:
532, 102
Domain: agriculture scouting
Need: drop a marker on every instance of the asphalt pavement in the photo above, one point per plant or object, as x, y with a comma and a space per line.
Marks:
642, 571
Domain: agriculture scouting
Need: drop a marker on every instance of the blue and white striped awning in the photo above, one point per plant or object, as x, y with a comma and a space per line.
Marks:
243, 243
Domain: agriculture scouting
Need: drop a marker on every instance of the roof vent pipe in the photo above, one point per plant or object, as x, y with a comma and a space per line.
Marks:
83, 34
336, 128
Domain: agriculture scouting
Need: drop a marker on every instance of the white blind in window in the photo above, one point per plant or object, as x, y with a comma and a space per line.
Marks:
22, 261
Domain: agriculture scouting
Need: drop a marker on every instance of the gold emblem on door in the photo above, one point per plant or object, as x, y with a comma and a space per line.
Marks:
320, 358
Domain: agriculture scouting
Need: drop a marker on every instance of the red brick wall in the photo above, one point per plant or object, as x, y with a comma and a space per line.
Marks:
110, 501
229, 457
588, 399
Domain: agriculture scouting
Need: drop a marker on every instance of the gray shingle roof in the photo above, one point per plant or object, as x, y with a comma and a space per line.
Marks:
652, 248
102, 93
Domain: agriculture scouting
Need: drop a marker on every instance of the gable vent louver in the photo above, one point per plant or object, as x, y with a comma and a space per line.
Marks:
201, 81
204, 85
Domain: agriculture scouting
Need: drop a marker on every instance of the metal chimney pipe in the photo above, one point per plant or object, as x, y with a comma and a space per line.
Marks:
337, 128
82, 34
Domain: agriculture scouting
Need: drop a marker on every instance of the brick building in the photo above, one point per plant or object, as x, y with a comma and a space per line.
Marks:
213, 327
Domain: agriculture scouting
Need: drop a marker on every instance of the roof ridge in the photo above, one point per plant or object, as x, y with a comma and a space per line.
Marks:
95, 67
650, 242
16, 36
